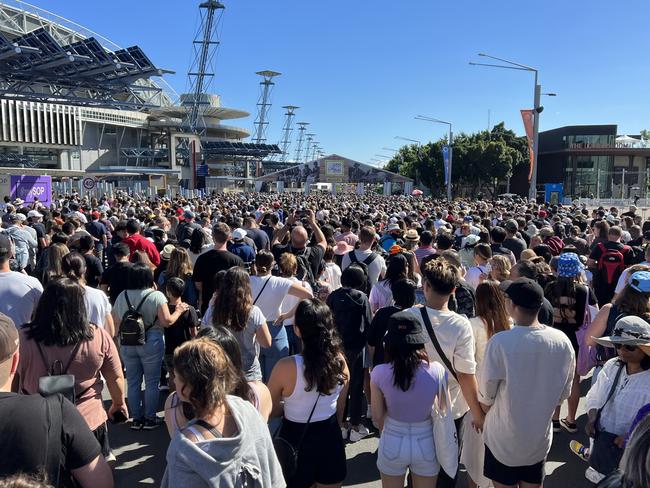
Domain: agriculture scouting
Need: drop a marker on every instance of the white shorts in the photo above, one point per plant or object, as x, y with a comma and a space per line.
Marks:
406, 445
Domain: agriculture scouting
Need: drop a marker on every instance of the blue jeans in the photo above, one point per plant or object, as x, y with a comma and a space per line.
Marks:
144, 361
279, 349
295, 343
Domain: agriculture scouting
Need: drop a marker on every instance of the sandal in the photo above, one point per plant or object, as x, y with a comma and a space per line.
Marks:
570, 426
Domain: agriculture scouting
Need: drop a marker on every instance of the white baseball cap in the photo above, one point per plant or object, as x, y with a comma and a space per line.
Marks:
34, 213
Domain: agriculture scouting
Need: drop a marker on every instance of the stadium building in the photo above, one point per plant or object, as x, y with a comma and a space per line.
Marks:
74, 103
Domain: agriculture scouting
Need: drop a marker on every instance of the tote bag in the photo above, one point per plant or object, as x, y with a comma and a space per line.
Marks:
445, 436
586, 355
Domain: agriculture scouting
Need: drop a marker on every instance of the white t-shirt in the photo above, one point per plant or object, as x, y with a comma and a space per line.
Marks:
19, 294
622, 280
97, 305
525, 374
290, 301
454, 333
473, 275
331, 275
270, 299
376, 269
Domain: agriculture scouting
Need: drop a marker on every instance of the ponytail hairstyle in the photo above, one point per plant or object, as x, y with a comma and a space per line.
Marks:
74, 267
324, 365
263, 262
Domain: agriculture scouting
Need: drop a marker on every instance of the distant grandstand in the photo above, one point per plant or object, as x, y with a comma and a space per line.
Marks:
72, 102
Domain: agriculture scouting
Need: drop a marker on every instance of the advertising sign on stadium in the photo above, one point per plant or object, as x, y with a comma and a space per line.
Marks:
30, 188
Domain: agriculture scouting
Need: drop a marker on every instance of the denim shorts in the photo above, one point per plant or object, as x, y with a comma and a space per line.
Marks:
407, 445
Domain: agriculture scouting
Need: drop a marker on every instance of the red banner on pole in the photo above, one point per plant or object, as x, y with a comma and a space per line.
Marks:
528, 118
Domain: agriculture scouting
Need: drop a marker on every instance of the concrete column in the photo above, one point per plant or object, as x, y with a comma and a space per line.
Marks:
280, 186
388, 188
408, 187
360, 188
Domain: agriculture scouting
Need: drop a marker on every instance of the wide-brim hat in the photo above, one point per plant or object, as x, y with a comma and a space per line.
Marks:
630, 331
167, 251
412, 235
392, 227
342, 248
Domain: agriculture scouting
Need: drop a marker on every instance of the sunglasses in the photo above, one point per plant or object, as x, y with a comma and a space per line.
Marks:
626, 347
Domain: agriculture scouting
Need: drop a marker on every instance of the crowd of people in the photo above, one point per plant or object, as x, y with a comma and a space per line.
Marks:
281, 326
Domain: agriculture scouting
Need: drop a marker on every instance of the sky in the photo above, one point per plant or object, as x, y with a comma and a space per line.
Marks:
362, 70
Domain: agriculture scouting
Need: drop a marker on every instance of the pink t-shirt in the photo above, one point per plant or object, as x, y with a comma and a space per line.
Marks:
98, 355
413, 405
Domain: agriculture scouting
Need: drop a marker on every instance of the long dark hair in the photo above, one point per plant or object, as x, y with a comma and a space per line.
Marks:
60, 317
491, 307
324, 366
406, 359
564, 287
396, 269
230, 345
233, 301
197, 240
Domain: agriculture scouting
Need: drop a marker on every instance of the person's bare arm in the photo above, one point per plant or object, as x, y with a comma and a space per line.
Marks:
598, 325
340, 403
318, 233
199, 292
109, 325
167, 319
281, 233
118, 403
279, 382
469, 388
96, 474
263, 336
299, 292
378, 406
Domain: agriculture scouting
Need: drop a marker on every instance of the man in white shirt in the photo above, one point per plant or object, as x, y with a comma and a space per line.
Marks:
376, 266
453, 334
19, 293
527, 371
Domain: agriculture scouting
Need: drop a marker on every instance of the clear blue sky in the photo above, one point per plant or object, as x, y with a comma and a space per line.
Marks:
361, 70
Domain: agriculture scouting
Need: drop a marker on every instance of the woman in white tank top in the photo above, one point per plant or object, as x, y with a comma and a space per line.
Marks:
313, 386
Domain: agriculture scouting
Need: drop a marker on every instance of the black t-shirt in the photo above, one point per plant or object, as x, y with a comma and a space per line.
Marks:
94, 270
209, 264
314, 255
116, 278
259, 237
545, 314
515, 245
40, 232
179, 332
24, 433
185, 230
582, 294
352, 316
377, 331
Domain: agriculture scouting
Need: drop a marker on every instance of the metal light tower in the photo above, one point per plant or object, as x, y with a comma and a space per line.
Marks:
202, 71
310, 140
302, 128
264, 104
287, 131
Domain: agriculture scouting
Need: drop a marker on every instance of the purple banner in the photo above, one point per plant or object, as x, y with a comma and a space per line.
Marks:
30, 188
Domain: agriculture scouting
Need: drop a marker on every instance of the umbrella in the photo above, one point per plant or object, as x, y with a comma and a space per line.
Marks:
417, 192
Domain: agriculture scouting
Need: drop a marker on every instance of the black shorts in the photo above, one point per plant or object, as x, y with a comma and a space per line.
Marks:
101, 434
508, 475
322, 455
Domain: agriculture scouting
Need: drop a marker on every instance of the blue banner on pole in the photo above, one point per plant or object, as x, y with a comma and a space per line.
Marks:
446, 150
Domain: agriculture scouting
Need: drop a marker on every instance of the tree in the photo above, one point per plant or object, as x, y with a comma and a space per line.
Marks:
480, 160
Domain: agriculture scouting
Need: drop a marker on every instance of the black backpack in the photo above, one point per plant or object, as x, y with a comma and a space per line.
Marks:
133, 331
304, 271
364, 265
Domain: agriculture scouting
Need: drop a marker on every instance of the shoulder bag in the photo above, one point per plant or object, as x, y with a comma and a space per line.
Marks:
285, 451
605, 455
58, 383
436, 344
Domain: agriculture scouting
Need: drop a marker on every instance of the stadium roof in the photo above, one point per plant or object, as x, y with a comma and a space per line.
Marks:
43, 60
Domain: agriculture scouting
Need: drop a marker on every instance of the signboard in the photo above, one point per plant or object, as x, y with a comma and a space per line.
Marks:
203, 170
29, 188
446, 153
89, 183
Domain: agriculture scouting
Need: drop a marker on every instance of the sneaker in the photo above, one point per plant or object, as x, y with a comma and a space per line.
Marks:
151, 424
137, 424
557, 427
579, 450
111, 457
345, 433
594, 476
570, 426
357, 435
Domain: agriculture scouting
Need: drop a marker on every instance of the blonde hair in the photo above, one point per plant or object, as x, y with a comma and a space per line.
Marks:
500, 268
288, 265
179, 265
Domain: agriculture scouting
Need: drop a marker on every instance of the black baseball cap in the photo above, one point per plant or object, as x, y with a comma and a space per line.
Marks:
524, 292
404, 328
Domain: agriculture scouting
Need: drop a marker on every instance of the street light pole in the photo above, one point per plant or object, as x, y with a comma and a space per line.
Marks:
449, 143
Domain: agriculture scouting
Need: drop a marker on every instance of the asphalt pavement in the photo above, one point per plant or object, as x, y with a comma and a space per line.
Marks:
141, 458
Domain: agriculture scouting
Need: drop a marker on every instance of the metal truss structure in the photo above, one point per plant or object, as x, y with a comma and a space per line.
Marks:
202, 70
44, 57
287, 130
302, 128
264, 104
